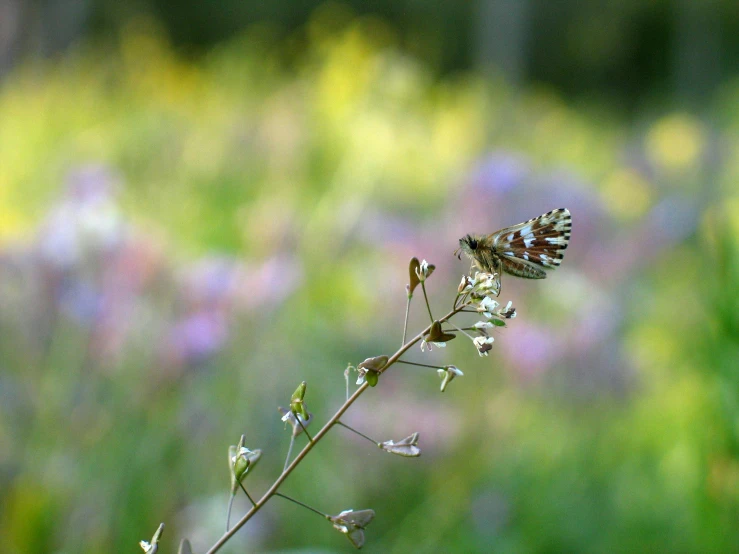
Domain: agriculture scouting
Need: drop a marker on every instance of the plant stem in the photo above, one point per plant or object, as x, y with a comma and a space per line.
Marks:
419, 365
461, 331
407, 311
324, 430
289, 452
307, 434
357, 432
228, 512
247, 495
299, 503
426, 298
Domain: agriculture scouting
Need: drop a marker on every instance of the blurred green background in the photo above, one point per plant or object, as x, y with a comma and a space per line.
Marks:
203, 204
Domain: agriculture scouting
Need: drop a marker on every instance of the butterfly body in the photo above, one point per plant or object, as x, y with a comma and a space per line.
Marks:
524, 250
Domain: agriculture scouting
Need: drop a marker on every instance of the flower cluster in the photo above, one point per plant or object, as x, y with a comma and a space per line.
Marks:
481, 292
479, 286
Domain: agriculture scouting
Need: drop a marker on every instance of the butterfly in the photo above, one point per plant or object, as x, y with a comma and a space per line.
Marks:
524, 250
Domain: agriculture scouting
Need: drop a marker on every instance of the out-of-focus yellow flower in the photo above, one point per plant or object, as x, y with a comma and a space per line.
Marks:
626, 193
675, 143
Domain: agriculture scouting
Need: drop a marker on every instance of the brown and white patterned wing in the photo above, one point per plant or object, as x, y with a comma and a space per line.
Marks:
526, 248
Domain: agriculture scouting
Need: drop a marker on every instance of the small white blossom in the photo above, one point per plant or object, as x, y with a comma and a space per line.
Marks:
447, 373
425, 345
362, 376
487, 307
483, 344
509, 312
486, 282
464, 285
424, 270
292, 419
483, 325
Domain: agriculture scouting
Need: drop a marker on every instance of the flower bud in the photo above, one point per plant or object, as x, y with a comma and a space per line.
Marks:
465, 284
240, 461
297, 405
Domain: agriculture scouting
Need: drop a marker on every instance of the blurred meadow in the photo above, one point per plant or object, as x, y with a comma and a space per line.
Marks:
191, 225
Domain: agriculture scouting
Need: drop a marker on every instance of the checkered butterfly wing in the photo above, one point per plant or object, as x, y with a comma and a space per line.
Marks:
527, 249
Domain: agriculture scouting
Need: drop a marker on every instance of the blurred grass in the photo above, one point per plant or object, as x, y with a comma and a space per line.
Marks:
346, 157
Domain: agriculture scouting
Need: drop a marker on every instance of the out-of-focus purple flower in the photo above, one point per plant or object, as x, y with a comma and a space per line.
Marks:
211, 280
381, 229
80, 300
270, 283
532, 349
91, 184
500, 172
196, 338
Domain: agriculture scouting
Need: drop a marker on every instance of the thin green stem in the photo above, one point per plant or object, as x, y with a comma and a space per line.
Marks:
426, 298
228, 512
299, 503
407, 311
247, 495
373, 441
419, 365
272, 491
307, 434
461, 331
289, 451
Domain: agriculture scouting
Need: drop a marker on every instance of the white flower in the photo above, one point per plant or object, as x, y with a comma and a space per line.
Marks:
447, 373
482, 325
486, 282
292, 419
509, 312
427, 345
424, 270
465, 285
483, 344
487, 307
